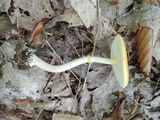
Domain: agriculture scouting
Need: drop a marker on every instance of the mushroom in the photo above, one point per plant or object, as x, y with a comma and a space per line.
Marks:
118, 61
118, 52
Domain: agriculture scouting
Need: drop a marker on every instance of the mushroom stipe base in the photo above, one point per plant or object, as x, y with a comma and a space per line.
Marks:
118, 61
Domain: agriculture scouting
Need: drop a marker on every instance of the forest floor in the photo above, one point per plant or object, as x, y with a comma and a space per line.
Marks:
59, 31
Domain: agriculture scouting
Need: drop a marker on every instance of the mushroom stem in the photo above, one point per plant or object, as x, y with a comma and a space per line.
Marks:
36, 61
118, 61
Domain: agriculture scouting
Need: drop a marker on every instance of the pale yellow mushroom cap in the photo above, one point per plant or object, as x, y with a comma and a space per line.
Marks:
118, 52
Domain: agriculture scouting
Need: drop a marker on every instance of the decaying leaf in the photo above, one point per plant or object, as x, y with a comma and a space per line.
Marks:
65, 117
5, 27
86, 10
144, 40
4, 5
26, 14
151, 2
81, 51
117, 113
62, 87
71, 18
104, 29
156, 50
13, 114
152, 110
146, 15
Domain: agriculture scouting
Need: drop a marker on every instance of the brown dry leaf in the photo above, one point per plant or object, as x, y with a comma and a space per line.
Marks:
144, 40
21, 101
38, 29
151, 2
112, 2
117, 113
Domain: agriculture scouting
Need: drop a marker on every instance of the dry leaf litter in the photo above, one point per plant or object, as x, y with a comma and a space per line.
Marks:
31, 93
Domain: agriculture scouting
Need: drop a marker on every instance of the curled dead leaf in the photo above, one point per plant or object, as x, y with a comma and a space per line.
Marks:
144, 38
38, 29
151, 2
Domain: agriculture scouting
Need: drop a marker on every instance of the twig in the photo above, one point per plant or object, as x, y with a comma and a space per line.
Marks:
95, 38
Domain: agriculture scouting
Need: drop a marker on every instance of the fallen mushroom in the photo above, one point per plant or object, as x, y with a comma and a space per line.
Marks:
118, 61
